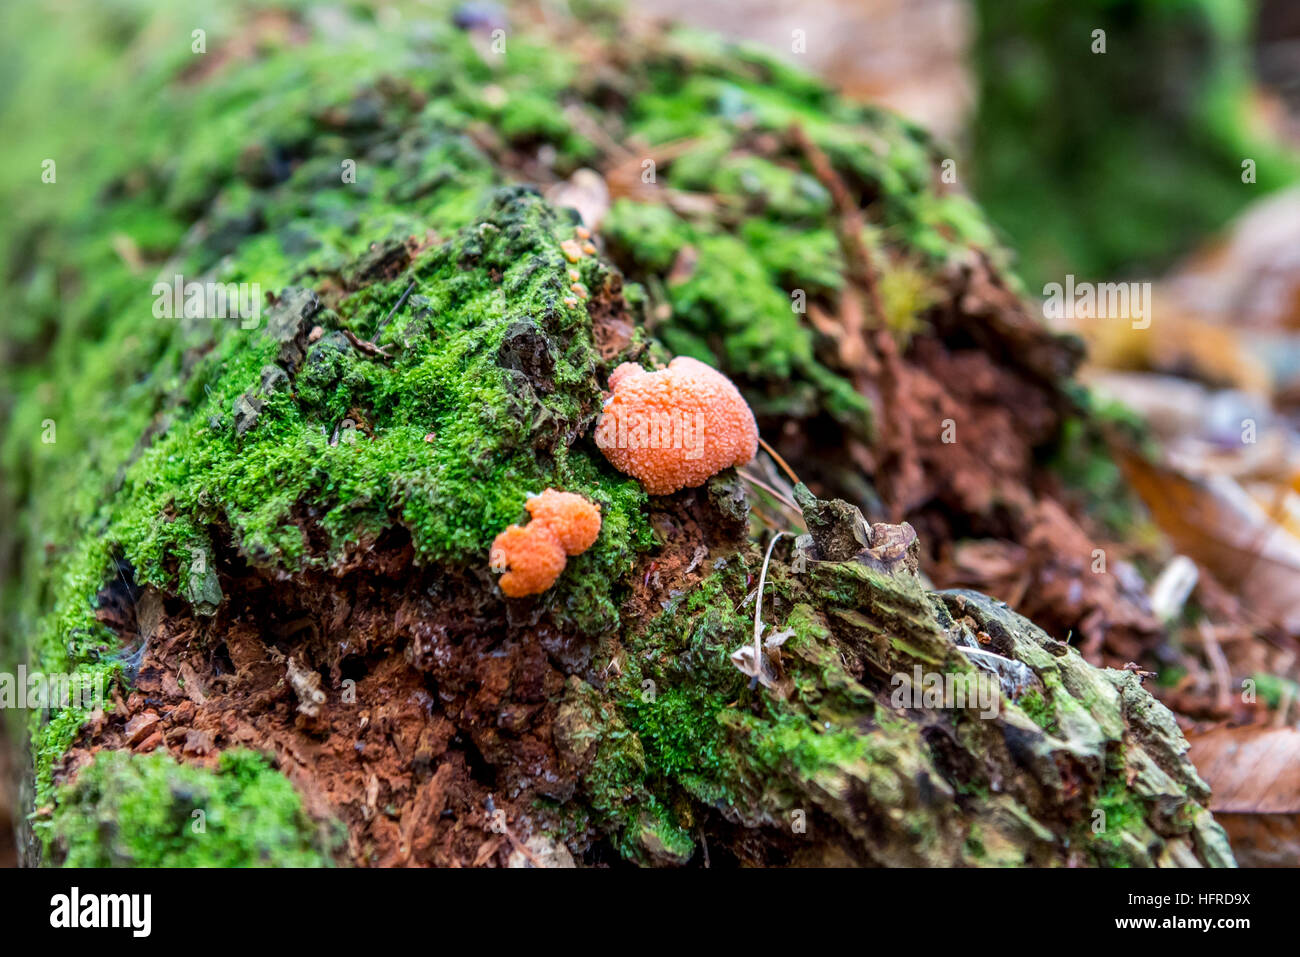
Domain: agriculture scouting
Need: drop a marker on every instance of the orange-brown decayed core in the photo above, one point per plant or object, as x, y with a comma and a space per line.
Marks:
677, 427
533, 555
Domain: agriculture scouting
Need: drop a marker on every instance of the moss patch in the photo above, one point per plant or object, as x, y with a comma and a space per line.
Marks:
148, 811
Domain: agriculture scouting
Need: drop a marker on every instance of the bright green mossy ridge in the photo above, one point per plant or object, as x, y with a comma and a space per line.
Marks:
148, 811
456, 439
762, 239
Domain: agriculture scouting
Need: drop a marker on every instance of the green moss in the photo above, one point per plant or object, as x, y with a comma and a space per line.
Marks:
147, 811
703, 732
779, 192
1039, 710
640, 823
51, 739
677, 682
1272, 688
768, 251
972, 789
1123, 814
646, 235
906, 292
793, 740
680, 732
795, 258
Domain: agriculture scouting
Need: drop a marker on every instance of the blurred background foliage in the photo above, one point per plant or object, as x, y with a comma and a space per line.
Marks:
1102, 162
1099, 164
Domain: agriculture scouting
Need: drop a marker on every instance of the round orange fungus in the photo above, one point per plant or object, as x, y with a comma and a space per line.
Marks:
574, 520
677, 427
533, 555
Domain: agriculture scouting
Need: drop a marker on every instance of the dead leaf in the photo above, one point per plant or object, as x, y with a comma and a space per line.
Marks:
585, 191
541, 851
1214, 522
488, 849
768, 673
1252, 770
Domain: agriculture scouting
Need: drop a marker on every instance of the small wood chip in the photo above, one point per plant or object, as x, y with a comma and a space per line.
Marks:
369, 348
140, 727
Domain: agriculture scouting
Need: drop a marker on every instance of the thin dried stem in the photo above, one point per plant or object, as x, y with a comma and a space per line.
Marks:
758, 609
769, 489
790, 512
779, 461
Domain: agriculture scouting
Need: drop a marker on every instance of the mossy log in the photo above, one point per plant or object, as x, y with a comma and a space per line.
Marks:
270, 537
